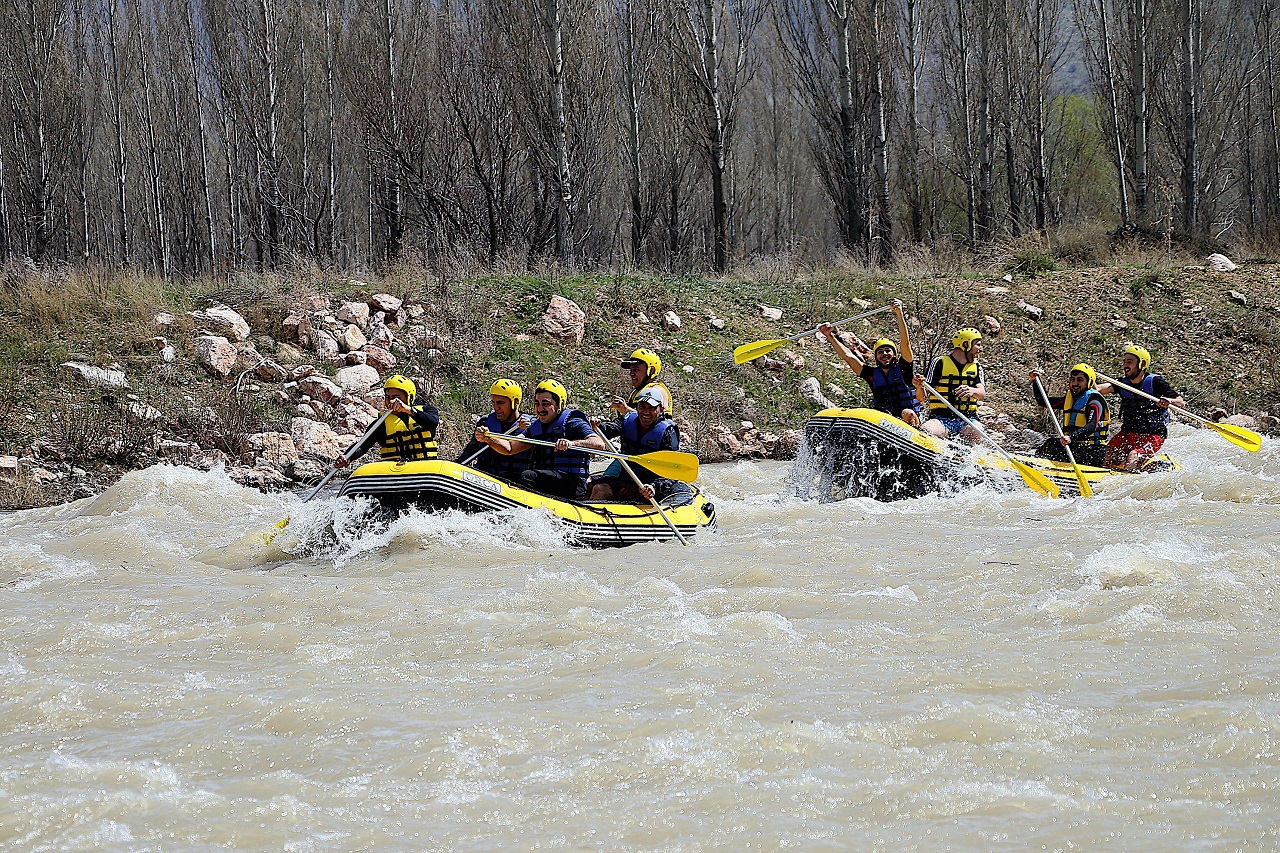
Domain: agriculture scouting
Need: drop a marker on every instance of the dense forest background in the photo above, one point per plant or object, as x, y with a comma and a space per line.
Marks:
198, 137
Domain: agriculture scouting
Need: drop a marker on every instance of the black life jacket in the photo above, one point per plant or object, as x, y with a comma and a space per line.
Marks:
547, 459
493, 462
1139, 414
891, 390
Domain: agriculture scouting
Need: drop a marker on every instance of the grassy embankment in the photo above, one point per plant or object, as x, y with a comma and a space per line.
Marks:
1221, 352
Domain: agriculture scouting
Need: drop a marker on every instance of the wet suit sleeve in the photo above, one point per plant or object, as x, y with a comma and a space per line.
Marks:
610, 429
1093, 414
1045, 402
423, 417
670, 438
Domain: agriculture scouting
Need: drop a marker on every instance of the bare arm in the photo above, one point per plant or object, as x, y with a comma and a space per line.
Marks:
828, 332
904, 337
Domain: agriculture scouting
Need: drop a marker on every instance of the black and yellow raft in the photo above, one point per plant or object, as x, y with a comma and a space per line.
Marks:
852, 453
438, 485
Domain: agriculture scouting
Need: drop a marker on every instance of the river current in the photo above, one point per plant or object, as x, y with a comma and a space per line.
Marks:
987, 671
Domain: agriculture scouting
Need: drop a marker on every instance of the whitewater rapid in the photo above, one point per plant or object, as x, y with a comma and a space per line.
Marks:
993, 670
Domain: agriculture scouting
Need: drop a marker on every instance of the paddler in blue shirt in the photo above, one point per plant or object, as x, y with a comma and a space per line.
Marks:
886, 369
645, 430
505, 396
409, 432
560, 472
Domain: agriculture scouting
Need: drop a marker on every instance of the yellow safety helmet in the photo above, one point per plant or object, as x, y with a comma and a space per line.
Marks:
648, 358
556, 390
508, 388
401, 383
1089, 372
1143, 357
885, 342
964, 338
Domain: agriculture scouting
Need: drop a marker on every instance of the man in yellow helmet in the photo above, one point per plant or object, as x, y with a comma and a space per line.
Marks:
505, 396
560, 471
643, 431
643, 367
409, 432
887, 372
1084, 417
958, 377
1143, 423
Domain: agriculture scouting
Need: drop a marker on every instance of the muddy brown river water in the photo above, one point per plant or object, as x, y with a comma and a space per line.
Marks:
990, 671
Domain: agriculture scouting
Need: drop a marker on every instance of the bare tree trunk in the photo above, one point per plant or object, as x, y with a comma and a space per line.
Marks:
880, 148
986, 138
564, 180
393, 188
122, 163
331, 183
1141, 118
202, 131
6, 243
914, 24
1109, 78
1191, 117
270, 192
153, 154
1008, 96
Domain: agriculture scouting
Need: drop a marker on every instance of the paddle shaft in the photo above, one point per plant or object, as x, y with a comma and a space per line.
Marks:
347, 455
524, 439
879, 310
474, 456
1083, 483
652, 499
1153, 398
1022, 468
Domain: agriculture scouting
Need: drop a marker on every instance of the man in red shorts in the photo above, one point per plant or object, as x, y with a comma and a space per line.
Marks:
1144, 429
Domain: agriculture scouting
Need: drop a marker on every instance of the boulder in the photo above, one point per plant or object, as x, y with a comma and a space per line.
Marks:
1220, 263
164, 318
1031, 311
275, 448
350, 339
770, 313
319, 388
1237, 296
8, 467
288, 354
271, 371
324, 344
140, 413
563, 320
791, 358
380, 359
835, 390
353, 358
317, 303
216, 354
289, 327
1246, 421
220, 318
811, 390
788, 444
306, 470
302, 372
385, 302
671, 320
356, 313
990, 325
717, 324
380, 336
1270, 423
356, 380
264, 477
99, 377
315, 439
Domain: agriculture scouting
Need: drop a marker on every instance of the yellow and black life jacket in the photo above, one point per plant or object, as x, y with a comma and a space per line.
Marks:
652, 383
1074, 415
410, 442
953, 376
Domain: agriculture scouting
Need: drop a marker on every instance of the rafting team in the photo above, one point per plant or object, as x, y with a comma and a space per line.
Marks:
955, 386
642, 422
944, 404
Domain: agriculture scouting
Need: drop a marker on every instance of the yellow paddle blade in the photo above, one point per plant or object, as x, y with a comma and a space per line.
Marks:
1035, 479
671, 464
269, 536
755, 349
1237, 435
1085, 491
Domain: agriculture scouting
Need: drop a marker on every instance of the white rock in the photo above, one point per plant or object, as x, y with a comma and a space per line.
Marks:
276, 448
1220, 263
351, 339
98, 376
769, 313
671, 320
1007, 277
164, 318
562, 320
995, 290
8, 466
354, 312
990, 325
811, 390
717, 324
1237, 296
141, 413
1031, 310
386, 302
216, 354
314, 438
688, 368
356, 380
220, 318
835, 390
860, 303
324, 344
642, 318
319, 388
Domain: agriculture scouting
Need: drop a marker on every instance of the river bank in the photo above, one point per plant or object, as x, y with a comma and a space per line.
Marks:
271, 376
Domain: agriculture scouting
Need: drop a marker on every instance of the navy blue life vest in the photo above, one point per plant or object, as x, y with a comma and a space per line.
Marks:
634, 443
493, 462
891, 390
569, 461
1139, 414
